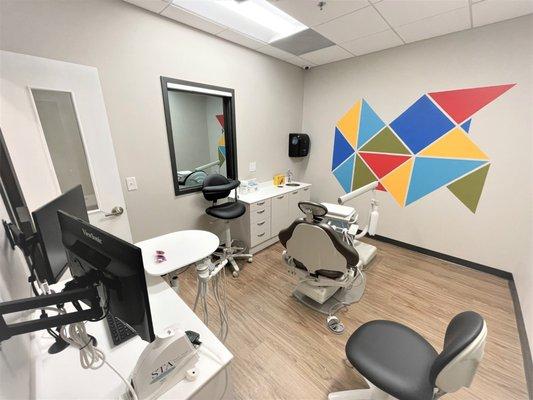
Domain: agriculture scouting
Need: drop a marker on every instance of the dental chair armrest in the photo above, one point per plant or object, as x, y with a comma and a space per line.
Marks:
222, 188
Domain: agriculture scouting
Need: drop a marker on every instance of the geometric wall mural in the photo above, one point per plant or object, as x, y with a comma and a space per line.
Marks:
425, 148
221, 141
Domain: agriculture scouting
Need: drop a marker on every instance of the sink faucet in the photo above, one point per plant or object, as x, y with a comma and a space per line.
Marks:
289, 175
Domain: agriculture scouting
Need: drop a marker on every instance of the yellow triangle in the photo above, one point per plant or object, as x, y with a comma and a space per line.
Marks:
349, 124
397, 181
455, 144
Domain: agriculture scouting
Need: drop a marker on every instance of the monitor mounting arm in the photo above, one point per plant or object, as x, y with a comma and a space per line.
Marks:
74, 295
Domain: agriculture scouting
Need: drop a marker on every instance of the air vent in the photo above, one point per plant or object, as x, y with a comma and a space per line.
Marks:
303, 42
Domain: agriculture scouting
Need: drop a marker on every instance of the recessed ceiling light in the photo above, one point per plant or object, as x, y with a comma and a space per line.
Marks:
256, 18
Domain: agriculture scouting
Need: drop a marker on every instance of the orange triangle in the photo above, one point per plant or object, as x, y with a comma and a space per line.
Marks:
454, 144
397, 181
349, 124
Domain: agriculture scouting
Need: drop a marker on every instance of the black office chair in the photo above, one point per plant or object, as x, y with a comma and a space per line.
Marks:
398, 363
218, 187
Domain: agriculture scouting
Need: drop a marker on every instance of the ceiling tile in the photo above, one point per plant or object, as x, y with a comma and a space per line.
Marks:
489, 11
282, 55
153, 5
372, 43
438, 25
241, 39
327, 55
401, 12
360, 23
193, 20
303, 42
309, 13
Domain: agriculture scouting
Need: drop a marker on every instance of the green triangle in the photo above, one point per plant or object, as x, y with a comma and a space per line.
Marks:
362, 174
468, 189
386, 142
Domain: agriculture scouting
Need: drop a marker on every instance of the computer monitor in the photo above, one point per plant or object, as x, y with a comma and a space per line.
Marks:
51, 262
117, 264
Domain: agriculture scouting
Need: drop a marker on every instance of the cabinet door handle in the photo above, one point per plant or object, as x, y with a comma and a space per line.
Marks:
261, 234
261, 223
261, 203
295, 192
261, 212
280, 197
306, 189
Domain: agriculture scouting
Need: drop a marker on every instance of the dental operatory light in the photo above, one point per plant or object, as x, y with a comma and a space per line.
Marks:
256, 18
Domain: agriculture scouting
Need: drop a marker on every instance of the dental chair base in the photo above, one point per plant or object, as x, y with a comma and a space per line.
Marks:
366, 251
372, 393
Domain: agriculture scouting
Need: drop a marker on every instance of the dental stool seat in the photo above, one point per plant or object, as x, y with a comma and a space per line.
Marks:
230, 210
394, 358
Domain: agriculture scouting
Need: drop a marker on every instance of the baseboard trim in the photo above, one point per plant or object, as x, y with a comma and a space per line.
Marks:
456, 260
524, 342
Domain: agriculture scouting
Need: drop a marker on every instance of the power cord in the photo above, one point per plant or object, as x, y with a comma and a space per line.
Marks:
91, 357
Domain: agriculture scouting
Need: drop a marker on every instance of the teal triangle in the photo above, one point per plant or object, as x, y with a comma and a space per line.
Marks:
429, 174
466, 125
369, 125
222, 150
341, 149
344, 173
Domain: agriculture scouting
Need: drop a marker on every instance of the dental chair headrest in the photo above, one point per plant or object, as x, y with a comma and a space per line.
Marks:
313, 211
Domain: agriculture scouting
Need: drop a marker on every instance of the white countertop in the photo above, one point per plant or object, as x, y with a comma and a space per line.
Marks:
267, 190
181, 249
60, 376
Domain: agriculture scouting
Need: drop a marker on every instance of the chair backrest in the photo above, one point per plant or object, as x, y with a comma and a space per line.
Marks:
215, 180
318, 247
464, 344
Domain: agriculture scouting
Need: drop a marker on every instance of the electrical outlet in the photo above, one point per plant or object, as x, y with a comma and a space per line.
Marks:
131, 183
252, 166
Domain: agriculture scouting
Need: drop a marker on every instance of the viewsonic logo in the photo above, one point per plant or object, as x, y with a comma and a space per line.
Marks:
92, 236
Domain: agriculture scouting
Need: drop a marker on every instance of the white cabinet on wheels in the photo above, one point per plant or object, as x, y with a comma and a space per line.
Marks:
268, 210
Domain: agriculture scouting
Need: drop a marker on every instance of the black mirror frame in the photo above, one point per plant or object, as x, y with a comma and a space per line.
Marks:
229, 130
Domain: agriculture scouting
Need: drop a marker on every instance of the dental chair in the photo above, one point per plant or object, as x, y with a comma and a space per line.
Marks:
217, 187
327, 268
398, 363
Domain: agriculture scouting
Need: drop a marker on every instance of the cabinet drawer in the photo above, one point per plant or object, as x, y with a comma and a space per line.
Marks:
259, 205
260, 231
260, 213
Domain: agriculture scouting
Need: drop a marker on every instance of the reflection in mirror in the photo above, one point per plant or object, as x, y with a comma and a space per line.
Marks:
201, 134
198, 133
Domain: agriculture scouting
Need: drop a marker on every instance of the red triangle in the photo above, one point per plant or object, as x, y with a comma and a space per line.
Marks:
463, 103
220, 118
381, 164
381, 187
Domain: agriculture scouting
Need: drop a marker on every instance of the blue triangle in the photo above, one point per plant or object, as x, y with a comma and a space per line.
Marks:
344, 173
222, 150
429, 174
341, 149
466, 125
370, 124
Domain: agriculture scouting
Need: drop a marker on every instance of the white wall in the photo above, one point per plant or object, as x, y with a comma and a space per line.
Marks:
500, 233
132, 48
14, 352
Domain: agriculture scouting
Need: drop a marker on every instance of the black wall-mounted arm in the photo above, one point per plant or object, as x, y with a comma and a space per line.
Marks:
89, 294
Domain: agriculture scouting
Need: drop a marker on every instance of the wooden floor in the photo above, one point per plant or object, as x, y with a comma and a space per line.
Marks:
283, 350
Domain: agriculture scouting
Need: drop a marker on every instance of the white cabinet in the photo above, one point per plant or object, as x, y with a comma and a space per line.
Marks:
268, 211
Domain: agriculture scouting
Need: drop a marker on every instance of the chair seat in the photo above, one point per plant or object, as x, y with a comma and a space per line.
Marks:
394, 358
228, 210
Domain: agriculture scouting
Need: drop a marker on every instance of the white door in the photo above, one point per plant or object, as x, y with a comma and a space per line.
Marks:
55, 125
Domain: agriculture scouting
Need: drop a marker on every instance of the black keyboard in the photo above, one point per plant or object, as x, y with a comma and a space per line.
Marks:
120, 332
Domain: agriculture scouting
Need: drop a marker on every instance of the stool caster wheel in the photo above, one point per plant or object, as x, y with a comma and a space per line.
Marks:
250, 259
235, 274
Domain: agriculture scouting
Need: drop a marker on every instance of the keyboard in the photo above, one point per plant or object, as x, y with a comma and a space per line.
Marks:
120, 332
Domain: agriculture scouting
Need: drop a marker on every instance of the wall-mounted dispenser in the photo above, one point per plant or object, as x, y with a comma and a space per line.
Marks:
299, 144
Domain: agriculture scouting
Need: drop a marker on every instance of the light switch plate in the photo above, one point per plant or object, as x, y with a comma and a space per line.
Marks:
131, 183
252, 166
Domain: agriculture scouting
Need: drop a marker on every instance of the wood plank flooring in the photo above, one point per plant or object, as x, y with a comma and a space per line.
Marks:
283, 350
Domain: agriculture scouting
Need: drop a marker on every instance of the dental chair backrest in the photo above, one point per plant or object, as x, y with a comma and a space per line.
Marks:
315, 246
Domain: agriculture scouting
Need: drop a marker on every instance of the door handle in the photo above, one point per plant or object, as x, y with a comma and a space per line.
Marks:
115, 212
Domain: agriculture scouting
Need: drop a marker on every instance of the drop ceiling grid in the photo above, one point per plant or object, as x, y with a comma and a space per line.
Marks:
359, 27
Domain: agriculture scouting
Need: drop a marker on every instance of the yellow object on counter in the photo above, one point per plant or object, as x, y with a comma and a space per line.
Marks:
279, 179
